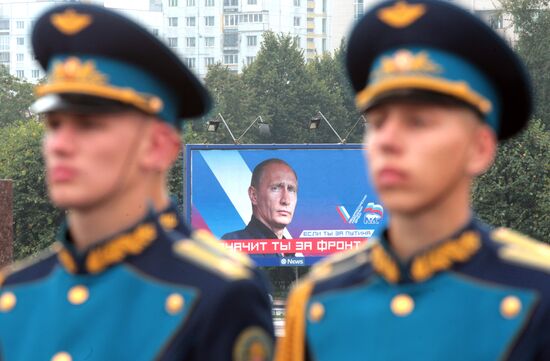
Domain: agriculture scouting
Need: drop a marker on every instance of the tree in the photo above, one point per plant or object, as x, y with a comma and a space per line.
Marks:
531, 23
35, 219
515, 192
330, 70
16, 96
286, 94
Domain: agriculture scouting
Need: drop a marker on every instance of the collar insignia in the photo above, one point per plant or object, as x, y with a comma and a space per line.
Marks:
112, 252
401, 14
427, 264
444, 256
70, 22
404, 61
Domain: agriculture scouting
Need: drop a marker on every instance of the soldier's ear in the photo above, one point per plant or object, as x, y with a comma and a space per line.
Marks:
253, 195
163, 146
483, 150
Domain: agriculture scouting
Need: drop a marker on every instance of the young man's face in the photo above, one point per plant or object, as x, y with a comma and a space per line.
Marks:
275, 197
418, 154
91, 158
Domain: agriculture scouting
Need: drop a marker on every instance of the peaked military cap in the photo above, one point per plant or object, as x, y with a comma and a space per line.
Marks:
98, 60
432, 47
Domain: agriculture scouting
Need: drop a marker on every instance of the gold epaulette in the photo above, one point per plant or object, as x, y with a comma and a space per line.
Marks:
522, 249
6, 271
217, 246
203, 255
341, 262
292, 346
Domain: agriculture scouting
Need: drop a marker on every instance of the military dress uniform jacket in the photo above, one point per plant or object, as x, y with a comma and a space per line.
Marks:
142, 295
480, 295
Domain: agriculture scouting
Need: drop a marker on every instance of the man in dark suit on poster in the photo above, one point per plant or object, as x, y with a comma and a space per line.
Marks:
273, 193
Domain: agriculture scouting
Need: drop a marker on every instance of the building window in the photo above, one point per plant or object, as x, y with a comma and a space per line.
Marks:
324, 25
35, 73
208, 61
20, 73
190, 62
190, 42
230, 2
20, 41
4, 42
250, 59
20, 57
20, 24
324, 6
296, 21
190, 2
209, 3
324, 45
257, 18
252, 40
4, 24
296, 2
173, 42
359, 8
231, 40
190, 21
496, 21
156, 32
209, 20
172, 3
231, 59
4, 57
231, 20
252, 2
172, 21
209, 41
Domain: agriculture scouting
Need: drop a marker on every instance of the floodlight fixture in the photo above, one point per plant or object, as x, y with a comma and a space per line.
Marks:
315, 122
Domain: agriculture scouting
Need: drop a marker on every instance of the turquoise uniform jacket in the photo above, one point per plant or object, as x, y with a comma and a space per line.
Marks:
148, 293
481, 295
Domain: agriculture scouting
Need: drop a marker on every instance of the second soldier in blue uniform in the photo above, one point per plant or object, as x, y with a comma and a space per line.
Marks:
439, 88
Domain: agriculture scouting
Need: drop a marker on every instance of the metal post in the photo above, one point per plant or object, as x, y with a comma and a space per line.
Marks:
6, 221
247, 129
228, 129
330, 125
362, 117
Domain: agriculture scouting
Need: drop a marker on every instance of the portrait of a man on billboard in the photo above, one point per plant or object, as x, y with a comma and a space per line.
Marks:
273, 194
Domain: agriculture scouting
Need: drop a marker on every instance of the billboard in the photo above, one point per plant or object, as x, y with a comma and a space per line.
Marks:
336, 207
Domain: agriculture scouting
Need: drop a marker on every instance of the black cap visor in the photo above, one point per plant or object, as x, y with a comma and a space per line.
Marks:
78, 103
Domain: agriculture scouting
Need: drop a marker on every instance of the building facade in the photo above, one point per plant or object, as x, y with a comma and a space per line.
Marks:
206, 32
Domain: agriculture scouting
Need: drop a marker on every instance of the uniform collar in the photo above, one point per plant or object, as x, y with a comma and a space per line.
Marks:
443, 255
111, 251
171, 219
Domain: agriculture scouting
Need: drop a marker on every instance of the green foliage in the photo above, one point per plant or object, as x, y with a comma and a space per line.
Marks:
515, 192
531, 20
16, 96
35, 219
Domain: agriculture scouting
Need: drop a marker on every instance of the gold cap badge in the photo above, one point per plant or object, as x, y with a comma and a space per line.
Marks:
401, 14
70, 22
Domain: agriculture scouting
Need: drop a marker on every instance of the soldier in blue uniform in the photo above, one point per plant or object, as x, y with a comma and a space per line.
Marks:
125, 280
439, 89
